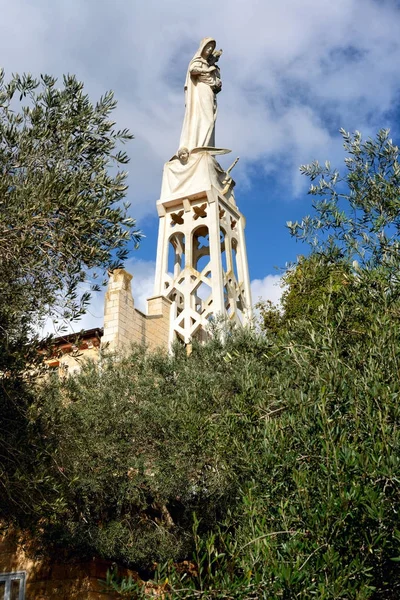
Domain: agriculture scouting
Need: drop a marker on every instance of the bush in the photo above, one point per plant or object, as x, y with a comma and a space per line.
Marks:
265, 465
287, 451
139, 444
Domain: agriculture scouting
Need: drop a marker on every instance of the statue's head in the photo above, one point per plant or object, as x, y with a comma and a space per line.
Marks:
183, 155
208, 50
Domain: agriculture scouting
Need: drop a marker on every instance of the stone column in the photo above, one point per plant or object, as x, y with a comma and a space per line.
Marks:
120, 325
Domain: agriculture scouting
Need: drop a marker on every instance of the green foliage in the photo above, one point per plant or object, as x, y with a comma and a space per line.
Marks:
62, 220
124, 587
271, 317
317, 509
287, 451
140, 445
340, 321
61, 216
309, 286
284, 445
327, 478
358, 215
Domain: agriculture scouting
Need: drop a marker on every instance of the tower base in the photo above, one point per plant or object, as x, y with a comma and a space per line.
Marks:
201, 254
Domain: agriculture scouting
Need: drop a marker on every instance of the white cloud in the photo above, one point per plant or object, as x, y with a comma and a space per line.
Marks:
286, 66
269, 288
143, 272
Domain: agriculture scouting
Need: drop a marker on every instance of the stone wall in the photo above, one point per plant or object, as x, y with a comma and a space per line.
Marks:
157, 322
125, 325
48, 579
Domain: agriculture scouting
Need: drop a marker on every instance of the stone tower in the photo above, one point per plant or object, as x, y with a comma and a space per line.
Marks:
201, 254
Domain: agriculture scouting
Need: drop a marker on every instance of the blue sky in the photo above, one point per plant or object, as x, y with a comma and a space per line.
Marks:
293, 71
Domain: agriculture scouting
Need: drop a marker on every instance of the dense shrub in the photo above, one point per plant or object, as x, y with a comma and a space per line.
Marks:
139, 444
263, 465
286, 451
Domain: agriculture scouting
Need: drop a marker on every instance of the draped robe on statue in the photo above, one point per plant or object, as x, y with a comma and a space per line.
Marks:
200, 173
201, 108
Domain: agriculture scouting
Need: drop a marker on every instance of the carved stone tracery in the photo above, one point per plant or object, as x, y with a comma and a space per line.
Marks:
206, 274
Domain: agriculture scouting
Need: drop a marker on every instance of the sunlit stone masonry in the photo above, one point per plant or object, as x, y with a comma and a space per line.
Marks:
201, 268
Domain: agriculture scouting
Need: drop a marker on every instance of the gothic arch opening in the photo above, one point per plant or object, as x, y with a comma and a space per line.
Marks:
176, 254
223, 241
235, 259
201, 248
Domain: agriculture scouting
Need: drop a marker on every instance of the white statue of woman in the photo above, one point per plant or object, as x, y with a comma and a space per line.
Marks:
201, 85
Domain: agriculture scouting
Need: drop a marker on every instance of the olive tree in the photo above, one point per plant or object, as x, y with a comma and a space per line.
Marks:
63, 222
357, 213
62, 185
